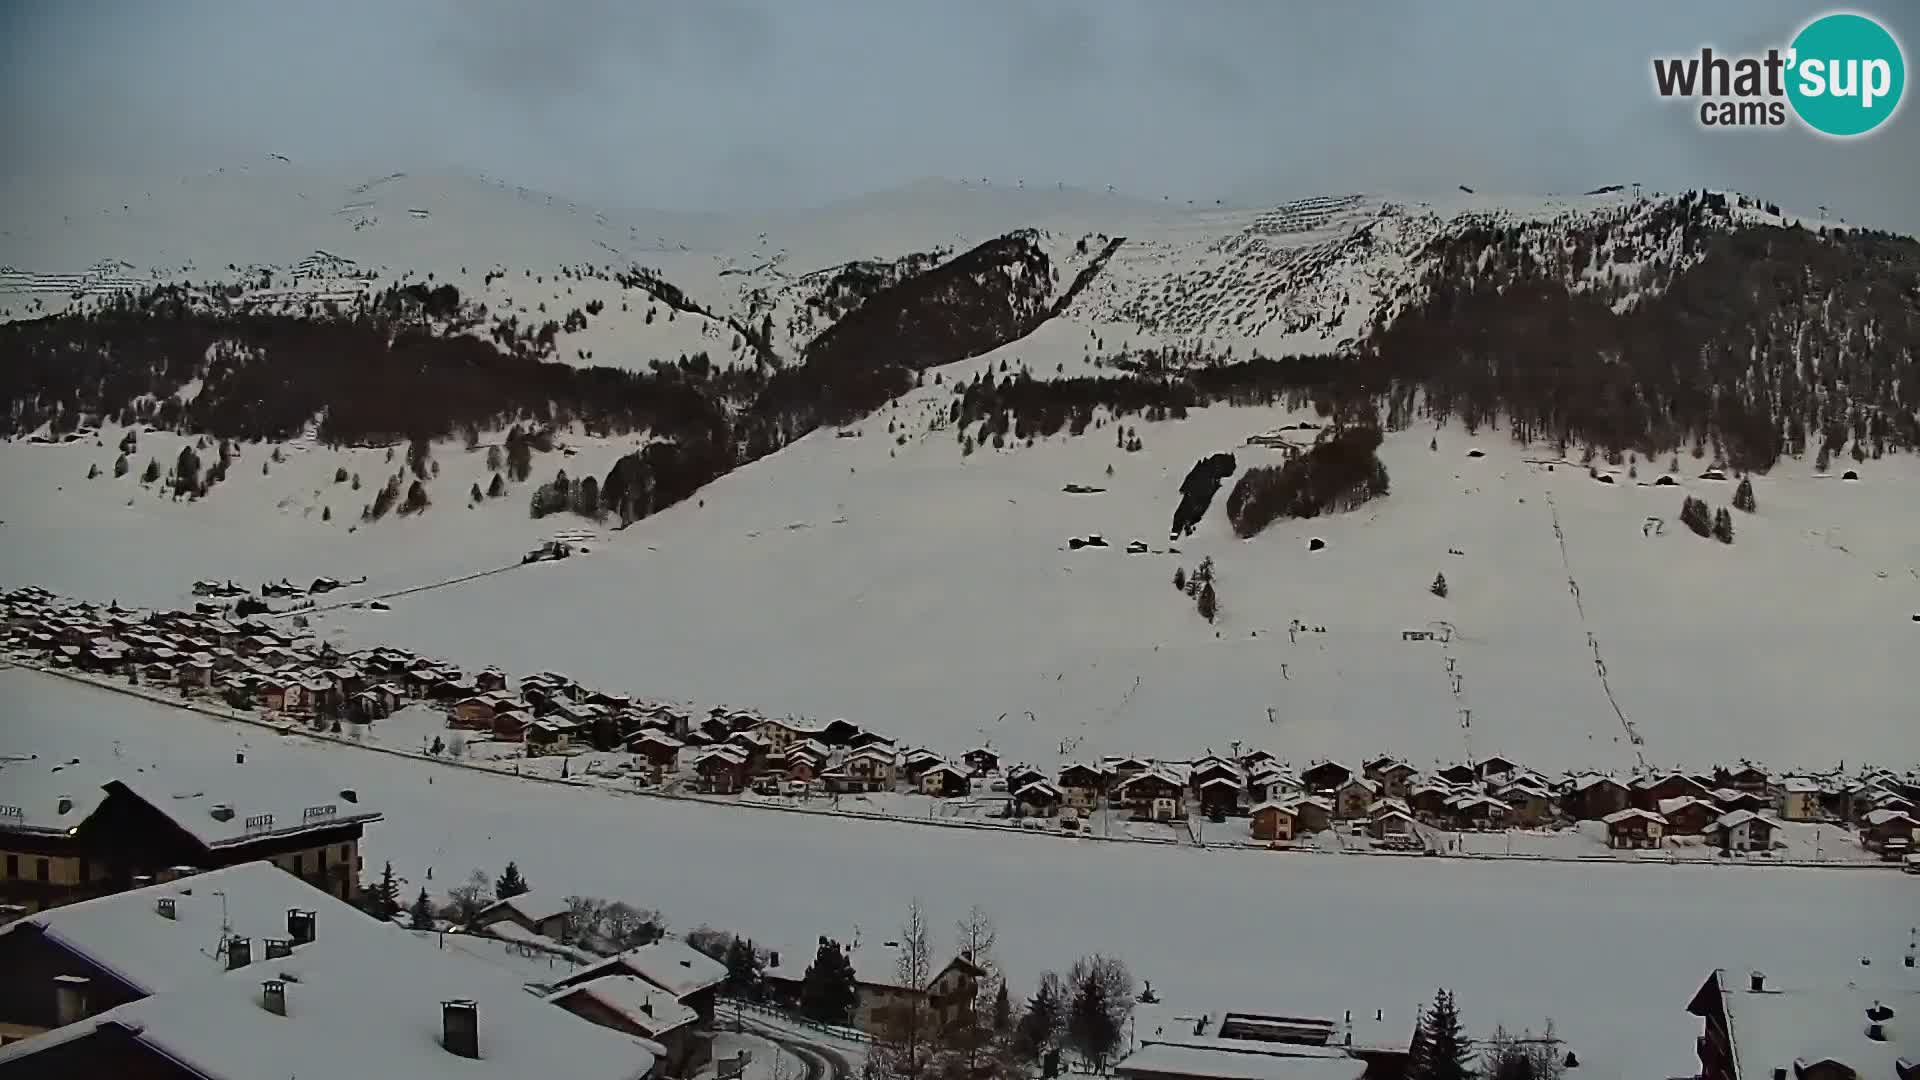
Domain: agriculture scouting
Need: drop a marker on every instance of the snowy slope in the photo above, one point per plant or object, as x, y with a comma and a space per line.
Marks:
1611, 953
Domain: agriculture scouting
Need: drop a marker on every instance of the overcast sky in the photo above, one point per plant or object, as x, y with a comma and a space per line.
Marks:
718, 104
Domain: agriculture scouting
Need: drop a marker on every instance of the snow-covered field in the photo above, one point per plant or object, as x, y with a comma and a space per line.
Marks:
933, 597
1611, 953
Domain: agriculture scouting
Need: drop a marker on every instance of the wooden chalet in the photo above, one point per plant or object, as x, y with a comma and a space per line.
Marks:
1153, 795
1634, 828
1592, 797
1272, 822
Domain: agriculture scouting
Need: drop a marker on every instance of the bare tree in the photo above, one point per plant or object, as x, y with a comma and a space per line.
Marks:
470, 897
904, 1040
972, 1031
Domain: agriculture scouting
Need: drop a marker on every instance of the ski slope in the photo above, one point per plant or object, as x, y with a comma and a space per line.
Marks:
1612, 953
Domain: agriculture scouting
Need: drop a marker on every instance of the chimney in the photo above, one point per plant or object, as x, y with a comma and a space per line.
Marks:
273, 994
460, 1027
66, 804
70, 994
1877, 1032
300, 925
277, 948
1879, 1013
239, 757
239, 953
349, 795
1780, 1073
1759, 983
221, 812
647, 1006
165, 906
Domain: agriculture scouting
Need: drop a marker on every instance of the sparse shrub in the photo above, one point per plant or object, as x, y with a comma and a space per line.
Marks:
1439, 586
93, 471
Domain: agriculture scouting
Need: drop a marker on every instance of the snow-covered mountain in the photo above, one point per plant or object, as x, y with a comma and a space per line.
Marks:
861, 501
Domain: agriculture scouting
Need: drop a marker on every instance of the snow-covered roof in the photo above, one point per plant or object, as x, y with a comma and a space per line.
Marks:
1630, 813
532, 906
366, 1003
1800, 785
673, 966
1681, 802
1740, 817
639, 1002
1779, 1028
33, 792
126, 935
262, 801
1885, 815
1165, 1059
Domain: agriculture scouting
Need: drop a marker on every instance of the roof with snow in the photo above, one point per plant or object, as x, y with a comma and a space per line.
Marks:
532, 906
1257, 1061
126, 934
1792, 1027
673, 966
634, 1000
253, 801
1741, 817
365, 1003
35, 791
1630, 814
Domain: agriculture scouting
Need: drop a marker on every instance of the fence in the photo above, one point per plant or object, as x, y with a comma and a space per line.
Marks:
837, 1031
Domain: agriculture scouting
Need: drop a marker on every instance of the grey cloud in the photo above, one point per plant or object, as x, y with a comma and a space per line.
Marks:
710, 104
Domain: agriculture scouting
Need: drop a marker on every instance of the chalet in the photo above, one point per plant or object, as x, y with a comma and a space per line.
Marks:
1458, 775
547, 737
757, 747
476, 713
981, 760
1476, 811
1254, 759
778, 734
1528, 804
944, 781
948, 995
1153, 795
1272, 822
1211, 768
491, 679
691, 976
1688, 816
1220, 796
1429, 801
722, 769
1021, 775
1649, 790
659, 750
1744, 830
917, 761
1311, 814
1352, 797
1083, 785
862, 739
1392, 821
1745, 778
1118, 769
1039, 798
1800, 799
1756, 1030
1730, 799
839, 732
1592, 797
634, 1006
1634, 828
870, 769
1325, 776
803, 769
511, 724
1494, 766
1269, 783
543, 914
1394, 776
1887, 829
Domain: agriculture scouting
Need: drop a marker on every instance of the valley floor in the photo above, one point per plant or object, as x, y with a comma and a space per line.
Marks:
1612, 953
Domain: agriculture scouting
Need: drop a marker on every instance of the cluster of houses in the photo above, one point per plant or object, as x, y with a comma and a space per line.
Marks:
251, 662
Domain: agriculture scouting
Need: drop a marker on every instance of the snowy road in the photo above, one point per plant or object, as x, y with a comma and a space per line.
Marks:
1611, 952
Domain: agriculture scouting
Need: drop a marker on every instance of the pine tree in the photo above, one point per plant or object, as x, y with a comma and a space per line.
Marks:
1723, 526
120, 466
93, 471
828, 992
743, 968
1418, 1057
1449, 1052
1439, 586
1743, 496
1695, 515
497, 488
510, 883
384, 897
422, 914
1207, 603
1039, 1026
1091, 1026
1002, 1010
473, 494
152, 472
1180, 578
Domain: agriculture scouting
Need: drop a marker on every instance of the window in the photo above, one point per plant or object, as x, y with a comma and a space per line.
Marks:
299, 864
43, 870
346, 853
13, 866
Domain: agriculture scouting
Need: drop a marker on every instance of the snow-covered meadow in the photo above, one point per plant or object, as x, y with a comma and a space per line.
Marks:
1610, 952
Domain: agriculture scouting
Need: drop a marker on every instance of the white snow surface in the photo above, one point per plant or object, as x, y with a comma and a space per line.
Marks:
1613, 952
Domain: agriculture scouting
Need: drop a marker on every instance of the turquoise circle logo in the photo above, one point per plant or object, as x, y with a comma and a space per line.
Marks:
1848, 75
